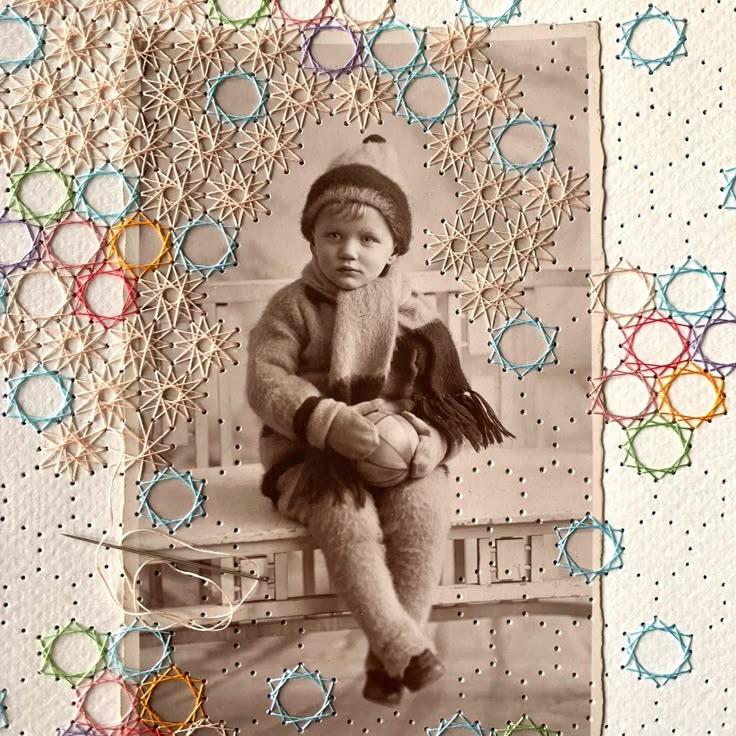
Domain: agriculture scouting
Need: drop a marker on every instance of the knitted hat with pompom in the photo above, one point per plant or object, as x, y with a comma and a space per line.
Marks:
368, 174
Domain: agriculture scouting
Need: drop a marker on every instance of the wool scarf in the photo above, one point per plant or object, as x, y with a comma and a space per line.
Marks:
379, 328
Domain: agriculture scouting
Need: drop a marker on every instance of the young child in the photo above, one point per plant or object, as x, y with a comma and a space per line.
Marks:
347, 338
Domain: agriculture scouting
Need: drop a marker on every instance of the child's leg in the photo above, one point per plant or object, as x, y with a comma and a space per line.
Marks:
351, 540
415, 517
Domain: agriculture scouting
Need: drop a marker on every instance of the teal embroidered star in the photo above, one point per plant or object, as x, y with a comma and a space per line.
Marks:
64, 402
115, 662
196, 487
652, 14
522, 318
324, 684
612, 540
259, 85
426, 120
546, 131
713, 301
683, 642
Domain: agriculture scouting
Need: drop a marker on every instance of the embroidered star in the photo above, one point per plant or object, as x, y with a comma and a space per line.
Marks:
69, 449
205, 146
459, 723
145, 446
520, 245
73, 143
204, 48
17, 138
487, 92
298, 95
458, 45
168, 296
459, 246
202, 346
324, 685
237, 194
108, 93
77, 45
268, 48
490, 294
171, 193
42, 91
168, 396
168, 94
486, 193
555, 194
141, 343
456, 146
363, 96
18, 344
268, 147
106, 395
73, 342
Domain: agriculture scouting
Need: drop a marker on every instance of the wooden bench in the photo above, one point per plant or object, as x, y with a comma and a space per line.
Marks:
489, 559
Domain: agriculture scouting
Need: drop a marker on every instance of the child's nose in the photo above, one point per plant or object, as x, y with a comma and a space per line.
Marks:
349, 248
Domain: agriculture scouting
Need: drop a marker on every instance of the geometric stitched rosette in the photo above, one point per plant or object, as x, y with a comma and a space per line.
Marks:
323, 685
611, 543
681, 645
79, 671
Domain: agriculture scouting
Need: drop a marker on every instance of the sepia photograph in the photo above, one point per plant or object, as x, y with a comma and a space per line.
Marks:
391, 461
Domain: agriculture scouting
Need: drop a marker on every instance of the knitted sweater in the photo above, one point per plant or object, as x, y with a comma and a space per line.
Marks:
289, 354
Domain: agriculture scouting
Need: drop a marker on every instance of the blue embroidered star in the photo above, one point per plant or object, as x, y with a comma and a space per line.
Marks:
683, 642
12, 64
546, 131
728, 189
426, 120
652, 14
692, 315
259, 109
228, 258
196, 487
64, 404
612, 541
401, 70
458, 721
115, 662
111, 216
324, 684
522, 318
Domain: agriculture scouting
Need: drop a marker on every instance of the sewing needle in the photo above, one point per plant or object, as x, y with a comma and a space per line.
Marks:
171, 558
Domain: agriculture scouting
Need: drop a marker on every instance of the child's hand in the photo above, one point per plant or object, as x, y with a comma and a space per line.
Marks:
431, 449
352, 435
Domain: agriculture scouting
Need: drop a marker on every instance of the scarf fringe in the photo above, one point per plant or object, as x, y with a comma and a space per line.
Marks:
327, 474
464, 415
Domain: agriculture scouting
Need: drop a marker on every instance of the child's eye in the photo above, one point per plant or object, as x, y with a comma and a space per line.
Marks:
368, 239
332, 236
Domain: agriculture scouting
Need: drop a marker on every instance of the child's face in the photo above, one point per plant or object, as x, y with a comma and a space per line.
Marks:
352, 251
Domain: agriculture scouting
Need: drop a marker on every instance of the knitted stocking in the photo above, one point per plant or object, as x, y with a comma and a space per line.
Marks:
415, 518
350, 538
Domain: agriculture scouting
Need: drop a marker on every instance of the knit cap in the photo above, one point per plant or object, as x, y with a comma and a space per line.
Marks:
368, 174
